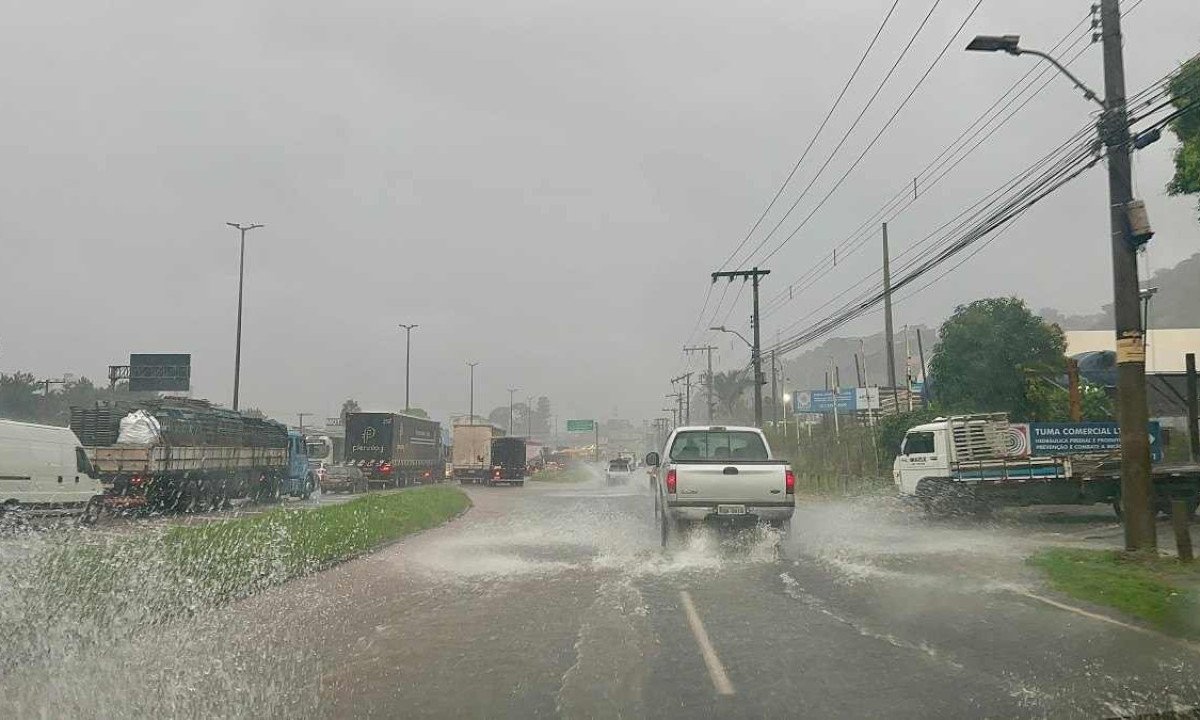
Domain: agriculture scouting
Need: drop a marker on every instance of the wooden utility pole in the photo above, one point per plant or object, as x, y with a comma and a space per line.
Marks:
1075, 398
1193, 420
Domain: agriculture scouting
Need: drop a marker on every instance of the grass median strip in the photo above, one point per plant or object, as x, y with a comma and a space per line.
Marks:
79, 588
1160, 591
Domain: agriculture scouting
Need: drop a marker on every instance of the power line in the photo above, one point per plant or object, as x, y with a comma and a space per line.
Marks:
853, 125
865, 230
874, 140
817, 134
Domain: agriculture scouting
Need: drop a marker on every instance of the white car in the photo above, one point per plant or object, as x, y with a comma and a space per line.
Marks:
619, 471
717, 473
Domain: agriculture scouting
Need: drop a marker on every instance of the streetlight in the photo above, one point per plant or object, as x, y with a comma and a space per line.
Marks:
722, 328
407, 358
237, 354
510, 409
1129, 229
471, 421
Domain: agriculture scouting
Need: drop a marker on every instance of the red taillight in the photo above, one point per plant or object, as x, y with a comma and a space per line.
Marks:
672, 480
789, 481
136, 481
496, 473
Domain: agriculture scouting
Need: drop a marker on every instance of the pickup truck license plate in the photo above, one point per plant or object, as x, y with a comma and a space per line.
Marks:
731, 509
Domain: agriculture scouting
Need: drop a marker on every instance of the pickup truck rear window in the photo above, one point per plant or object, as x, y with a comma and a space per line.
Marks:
620, 465
718, 445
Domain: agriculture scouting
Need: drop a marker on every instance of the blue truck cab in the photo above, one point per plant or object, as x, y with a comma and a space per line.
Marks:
301, 481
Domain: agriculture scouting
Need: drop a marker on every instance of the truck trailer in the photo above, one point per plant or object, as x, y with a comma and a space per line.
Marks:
471, 459
394, 450
508, 461
189, 455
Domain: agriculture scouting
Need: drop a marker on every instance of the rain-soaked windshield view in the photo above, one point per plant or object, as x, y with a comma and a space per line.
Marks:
599, 359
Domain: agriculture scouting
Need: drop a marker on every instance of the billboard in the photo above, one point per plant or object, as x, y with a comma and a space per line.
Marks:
160, 372
847, 400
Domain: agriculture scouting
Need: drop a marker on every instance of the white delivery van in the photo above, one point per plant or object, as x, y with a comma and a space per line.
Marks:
43, 467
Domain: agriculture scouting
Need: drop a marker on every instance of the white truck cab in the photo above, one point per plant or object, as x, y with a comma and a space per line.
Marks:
44, 467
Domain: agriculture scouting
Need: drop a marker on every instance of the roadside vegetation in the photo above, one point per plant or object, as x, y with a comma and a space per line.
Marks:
1159, 591
74, 589
573, 473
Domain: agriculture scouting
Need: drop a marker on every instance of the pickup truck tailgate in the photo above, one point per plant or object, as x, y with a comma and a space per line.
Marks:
745, 484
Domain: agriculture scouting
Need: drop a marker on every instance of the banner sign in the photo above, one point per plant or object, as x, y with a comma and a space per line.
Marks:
1086, 438
847, 401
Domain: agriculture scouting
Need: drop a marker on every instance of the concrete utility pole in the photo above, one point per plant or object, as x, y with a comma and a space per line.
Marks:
1074, 399
708, 349
529, 418
510, 409
924, 379
302, 416
888, 331
1125, 239
471, 421
679, 406
687, 395
774, 392
407, 359
756, 349
237, 353
674, 416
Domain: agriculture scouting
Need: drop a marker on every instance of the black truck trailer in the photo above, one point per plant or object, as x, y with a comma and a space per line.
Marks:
394, 450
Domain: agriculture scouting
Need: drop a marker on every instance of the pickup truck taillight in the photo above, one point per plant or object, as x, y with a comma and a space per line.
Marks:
789, 481
672, 480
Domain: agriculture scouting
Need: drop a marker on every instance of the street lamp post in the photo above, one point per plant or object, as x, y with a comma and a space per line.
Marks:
510, 409
237, 353
471, 420
1132, 410
407, 358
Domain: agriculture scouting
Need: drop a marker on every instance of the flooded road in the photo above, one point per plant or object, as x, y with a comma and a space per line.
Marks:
555, 600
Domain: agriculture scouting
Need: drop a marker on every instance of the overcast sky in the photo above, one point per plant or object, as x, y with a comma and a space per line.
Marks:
542, 185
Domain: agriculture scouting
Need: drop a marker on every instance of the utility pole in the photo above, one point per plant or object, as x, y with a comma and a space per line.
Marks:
774, 392
756, 349
1192, 411
407, 358
679, 409
1129, 229
47, 383
924, 378
674, 416
1074, 400
302, 416
528, 418
510, 409
833, 372
888, 332
237, 353
708, 349
472, 415
1132, 411
687, 403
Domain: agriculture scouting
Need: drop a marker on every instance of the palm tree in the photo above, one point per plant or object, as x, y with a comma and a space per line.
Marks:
728, 386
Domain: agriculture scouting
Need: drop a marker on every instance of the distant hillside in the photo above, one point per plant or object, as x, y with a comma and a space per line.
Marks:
1175, 305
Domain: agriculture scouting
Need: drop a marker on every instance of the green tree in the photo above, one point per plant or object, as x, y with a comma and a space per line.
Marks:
984, 353
350, 406
728, 387
18, 396
1185, 95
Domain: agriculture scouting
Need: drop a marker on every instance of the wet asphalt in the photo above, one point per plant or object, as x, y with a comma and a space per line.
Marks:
555, 600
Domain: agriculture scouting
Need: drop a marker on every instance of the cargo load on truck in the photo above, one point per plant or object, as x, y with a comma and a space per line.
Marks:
183, 453
394, 450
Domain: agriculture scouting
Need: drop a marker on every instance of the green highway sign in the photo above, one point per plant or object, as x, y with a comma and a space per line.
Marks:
581, 425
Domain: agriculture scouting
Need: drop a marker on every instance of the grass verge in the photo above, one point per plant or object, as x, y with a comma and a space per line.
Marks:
79, 589
1160, 591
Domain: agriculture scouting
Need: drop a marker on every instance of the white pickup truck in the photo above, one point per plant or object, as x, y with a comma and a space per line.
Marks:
722, 474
